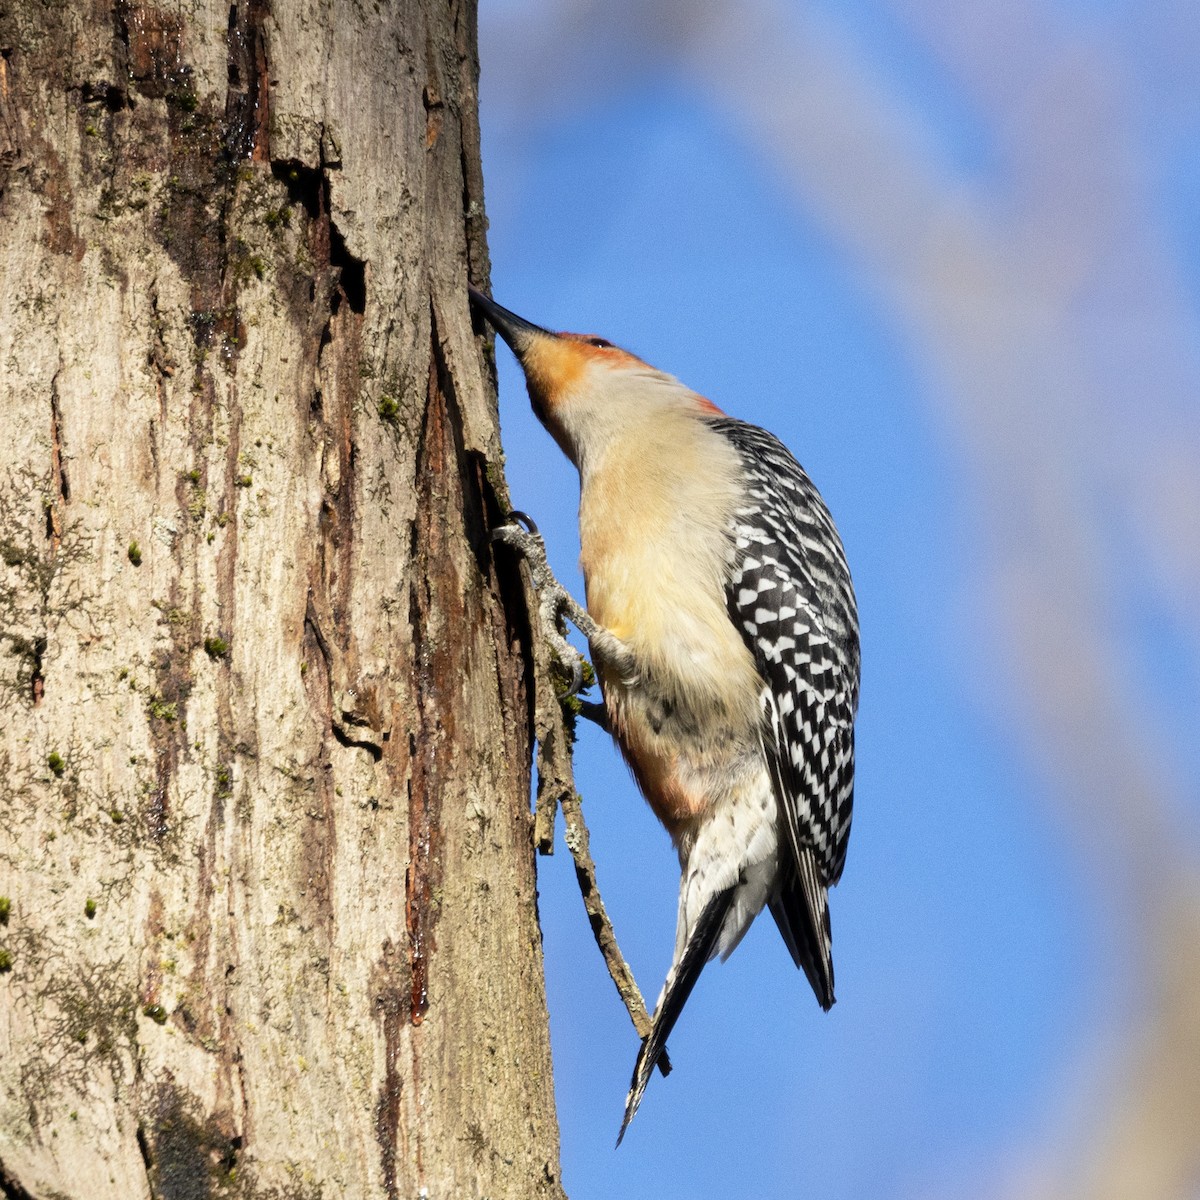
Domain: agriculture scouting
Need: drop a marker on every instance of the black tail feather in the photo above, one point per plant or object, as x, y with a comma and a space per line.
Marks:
801, 910
696, 953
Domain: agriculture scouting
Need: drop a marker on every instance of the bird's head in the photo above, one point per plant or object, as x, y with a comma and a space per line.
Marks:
581, 385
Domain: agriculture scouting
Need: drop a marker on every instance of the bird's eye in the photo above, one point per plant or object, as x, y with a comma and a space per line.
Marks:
600, 343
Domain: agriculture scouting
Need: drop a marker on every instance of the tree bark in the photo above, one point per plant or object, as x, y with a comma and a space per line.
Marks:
267, 894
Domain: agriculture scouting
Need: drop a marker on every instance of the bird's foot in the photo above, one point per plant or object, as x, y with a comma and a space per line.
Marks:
555, 603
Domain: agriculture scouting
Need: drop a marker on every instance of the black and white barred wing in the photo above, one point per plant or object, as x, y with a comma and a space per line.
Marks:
790, 594
807, 710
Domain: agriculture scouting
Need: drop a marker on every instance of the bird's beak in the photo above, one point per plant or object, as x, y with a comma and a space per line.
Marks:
516, 331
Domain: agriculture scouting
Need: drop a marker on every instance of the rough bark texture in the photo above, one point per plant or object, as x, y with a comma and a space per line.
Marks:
267, 896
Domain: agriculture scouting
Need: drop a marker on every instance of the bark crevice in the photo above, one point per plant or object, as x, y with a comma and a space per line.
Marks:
10, 1189
390, 1004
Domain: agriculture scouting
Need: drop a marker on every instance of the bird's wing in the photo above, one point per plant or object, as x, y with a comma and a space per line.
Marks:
808, 739
789, 594
808, 718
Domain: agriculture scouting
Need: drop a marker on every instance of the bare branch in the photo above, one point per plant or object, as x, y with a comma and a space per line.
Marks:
554, 729
585, 871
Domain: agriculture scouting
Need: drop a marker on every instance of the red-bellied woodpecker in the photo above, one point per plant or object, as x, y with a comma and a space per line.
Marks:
724, 631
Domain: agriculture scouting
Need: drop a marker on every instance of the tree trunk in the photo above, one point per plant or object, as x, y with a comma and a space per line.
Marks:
268, 923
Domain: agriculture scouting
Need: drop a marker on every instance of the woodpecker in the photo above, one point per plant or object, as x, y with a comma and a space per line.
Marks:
724, 631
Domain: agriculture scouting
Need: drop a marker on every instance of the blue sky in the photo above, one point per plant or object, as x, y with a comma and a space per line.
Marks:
973, 976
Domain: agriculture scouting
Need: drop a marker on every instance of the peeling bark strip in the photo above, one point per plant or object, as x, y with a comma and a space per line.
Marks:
248, 101
148, 47
390, 1007
270, 924
58, 474
37, 681
435, 595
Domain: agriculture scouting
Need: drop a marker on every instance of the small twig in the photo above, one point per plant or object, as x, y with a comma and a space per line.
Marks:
596, 713
576, 837
554, 732
551, 731
556, 788
555, 771
556, 782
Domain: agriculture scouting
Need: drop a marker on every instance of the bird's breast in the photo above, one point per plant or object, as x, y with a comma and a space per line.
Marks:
654, 557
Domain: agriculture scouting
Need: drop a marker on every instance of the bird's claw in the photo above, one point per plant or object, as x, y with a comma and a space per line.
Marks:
512, 535
526, 520
576, 665
520, 531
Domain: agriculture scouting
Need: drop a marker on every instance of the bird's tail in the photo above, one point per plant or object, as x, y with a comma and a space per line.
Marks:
801, 910
701, 945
